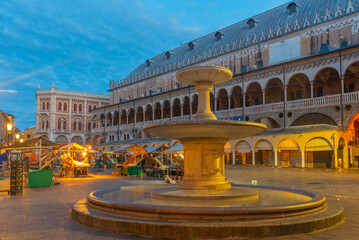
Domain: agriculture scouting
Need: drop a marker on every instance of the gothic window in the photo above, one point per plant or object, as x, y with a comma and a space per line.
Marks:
90, 108
79, 126
47, 124
89, 126
64, 125
42, 124
43, 106
93, 125
148, 62
94, 106
168, 54
80, 107
47, 105
65, 106
75, 107
59, 125
74, 126
60, 106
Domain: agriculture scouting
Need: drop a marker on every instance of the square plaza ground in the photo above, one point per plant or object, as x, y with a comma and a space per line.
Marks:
45, 213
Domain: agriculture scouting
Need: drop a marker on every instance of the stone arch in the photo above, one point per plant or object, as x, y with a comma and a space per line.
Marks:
313, 118
236, 97
319, 153
139, 114
254, 94
148, 113
269, 122
176, 109
131, 116
351, 78
102, 120
326, 82
298, 87
158, 114
61, 139
109, 119
274, 91
166, 109
289, 153
123, 117
186, 106
77, 139
243, 153
194, 103
264, 154
222, 100
97, 139
95, 122
116, 118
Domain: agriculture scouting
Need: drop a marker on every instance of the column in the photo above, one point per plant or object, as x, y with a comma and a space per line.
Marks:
181, 110
234, 157
264, 97
342, 84
215, 104
311, 90
345, 157
285, 94
303, 158
229, 102
336, 157
171, 112
153, 115
161, 113
253, 157
275, 158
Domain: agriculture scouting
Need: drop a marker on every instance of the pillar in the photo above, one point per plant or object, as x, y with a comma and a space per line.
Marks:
215, 104
181, 110
234, 157
153, 115
285, 94
229, 102
311, 90
336, 157
303, 158
342, 84
253, 157
275, 158
171, 112
161, 113
345, 157
264, 97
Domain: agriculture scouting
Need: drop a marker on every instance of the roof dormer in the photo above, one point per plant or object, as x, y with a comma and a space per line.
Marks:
191, 45
149, 62
218, 36
292, 8
251, 23
168, 54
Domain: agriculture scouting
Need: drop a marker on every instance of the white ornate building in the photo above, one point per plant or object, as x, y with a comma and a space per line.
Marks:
63, 116
296, 69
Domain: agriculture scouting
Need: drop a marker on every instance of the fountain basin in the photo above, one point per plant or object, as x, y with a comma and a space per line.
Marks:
271, 212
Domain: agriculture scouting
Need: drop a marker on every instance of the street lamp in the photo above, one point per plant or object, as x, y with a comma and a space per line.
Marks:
9, 128
17, 135
21, 140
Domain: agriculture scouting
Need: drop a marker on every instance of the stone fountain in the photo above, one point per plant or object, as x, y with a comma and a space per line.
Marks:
204, 204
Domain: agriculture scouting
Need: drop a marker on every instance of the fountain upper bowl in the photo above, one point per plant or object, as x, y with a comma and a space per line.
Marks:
212, 74
218, 129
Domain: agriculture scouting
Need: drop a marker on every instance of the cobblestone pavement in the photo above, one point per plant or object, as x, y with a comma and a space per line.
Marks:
45, 213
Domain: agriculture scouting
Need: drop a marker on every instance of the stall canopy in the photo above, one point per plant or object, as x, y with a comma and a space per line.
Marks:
75, 146
156, 149
34, 143
178, 148
131, 148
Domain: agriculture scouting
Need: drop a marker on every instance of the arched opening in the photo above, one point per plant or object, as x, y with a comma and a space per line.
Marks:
148, 113
274, 91
77, 140
211, 101
314, 118
236, 97
109, 119
139, 114
166, 110
116, 118
98, 139
222, 100
158, 114
102, 120
353, 141
298, 87
289, 153
264, 154
227, 153
176, 112
326, 82
95, 122
269, 122
319, 153
131, 116
194, 103
123, 117
61, 139
186, 106
243, 153
351, 78
254, 95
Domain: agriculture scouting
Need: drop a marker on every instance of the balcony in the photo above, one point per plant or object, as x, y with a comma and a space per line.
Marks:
42, 131
43, 111
78, 113
62, 131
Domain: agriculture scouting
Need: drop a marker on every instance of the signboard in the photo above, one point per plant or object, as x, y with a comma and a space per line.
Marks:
238, 118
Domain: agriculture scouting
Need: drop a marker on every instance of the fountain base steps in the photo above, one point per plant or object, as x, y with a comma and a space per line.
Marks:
155, 212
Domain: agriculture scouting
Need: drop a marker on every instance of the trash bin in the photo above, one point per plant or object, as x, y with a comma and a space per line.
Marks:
42, 178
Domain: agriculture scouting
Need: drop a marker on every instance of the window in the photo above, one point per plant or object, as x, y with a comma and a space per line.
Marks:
59, 125
148, 62
79, 126
65, 106
75, 107
259, 64
47, 124
94, 106
42, 124
251, 23
64, 125
43, 106
47, 105
60, 106
74, 126
218, 36
80, 107
89, 126
94, 125
191, 45
292, 8
90, 107
244, 69
168, 54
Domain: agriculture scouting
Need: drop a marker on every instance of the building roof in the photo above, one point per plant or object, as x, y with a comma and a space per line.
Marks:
268, 25
299, 129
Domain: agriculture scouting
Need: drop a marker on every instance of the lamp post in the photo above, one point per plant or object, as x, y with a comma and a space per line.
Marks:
9, 128
17, 136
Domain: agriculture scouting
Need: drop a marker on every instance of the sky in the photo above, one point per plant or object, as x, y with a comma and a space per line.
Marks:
82, 45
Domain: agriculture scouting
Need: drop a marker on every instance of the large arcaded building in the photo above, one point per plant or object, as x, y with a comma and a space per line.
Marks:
295, 69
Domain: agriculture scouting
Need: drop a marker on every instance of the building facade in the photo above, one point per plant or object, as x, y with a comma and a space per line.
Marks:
63, 116
29, 133
294, 66
6, 136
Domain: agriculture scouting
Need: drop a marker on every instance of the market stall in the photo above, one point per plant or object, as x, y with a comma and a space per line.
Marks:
131, 154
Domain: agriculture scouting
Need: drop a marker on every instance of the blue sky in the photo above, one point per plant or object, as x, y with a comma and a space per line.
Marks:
83, 44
